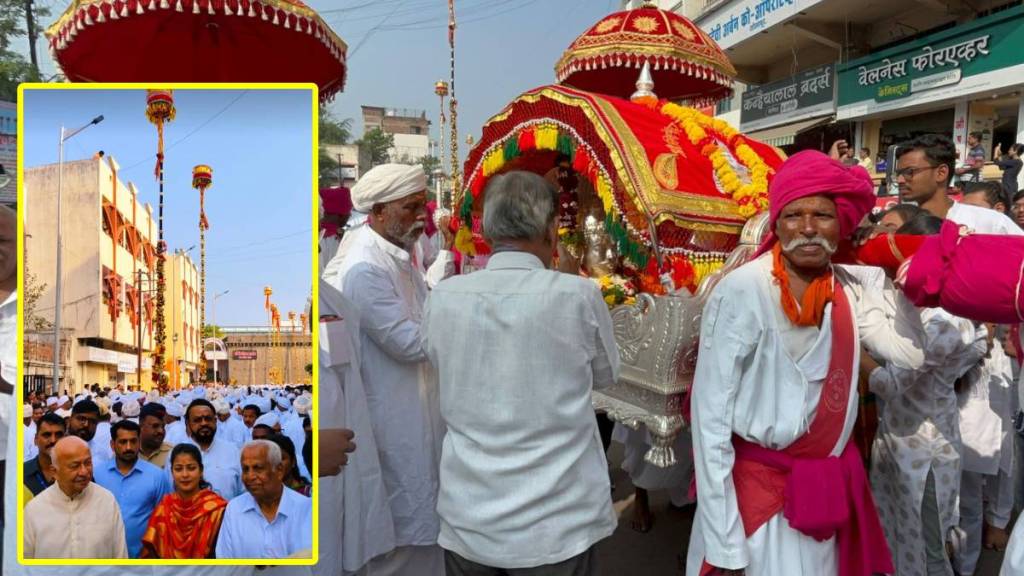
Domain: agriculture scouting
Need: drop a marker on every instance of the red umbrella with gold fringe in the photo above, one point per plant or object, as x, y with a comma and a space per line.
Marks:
685, 63
198, 41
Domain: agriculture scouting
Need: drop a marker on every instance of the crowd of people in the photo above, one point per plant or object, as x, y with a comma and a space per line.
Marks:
209, 472
836, 427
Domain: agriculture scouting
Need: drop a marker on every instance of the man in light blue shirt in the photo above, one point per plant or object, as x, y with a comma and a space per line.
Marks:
137, 485
269, 520
220, 456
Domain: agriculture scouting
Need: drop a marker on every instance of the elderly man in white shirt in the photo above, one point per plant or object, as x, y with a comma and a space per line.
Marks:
74, 517
518, 349
374, 269
268, 520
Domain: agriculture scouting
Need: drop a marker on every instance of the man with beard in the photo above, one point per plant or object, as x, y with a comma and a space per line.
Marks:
221, 464
152, 447
137, 486
375, 270
74, 518
39, 471
780, 488
85, 417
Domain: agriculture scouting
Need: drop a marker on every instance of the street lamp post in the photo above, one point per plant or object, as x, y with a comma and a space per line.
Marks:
59, 288
213, 318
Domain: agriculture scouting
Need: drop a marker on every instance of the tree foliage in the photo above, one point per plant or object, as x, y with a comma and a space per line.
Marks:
33, 291
331, 131
378, 143
212, 331
14, 69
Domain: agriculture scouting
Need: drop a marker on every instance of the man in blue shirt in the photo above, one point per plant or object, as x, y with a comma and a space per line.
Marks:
138, 486
268, 520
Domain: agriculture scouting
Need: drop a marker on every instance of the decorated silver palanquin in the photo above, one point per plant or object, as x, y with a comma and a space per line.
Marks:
658, 342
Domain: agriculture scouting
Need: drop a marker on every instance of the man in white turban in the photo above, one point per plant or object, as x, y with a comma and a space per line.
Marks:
375, 269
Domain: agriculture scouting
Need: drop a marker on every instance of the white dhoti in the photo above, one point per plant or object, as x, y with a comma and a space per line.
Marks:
328, 248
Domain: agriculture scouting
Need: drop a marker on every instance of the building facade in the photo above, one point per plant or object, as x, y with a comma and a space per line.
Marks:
181, 316
894, 70
257, 356
410, 128
109, 272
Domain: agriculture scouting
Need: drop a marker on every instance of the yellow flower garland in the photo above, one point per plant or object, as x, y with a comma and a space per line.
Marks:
752, 197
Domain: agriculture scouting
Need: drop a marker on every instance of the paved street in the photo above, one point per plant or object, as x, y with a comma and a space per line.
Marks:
629, 553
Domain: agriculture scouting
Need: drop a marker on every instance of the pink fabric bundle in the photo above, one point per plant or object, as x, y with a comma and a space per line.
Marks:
975, 276
811, 173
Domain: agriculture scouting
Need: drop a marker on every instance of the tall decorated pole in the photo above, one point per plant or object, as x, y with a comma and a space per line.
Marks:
267, 293
441, 89
202, 178
456, 174
159, 110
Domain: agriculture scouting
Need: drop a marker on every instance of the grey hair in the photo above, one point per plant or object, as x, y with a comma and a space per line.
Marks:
518, 206
273, 450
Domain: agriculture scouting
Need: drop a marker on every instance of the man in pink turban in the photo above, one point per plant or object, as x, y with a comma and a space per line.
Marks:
780, 487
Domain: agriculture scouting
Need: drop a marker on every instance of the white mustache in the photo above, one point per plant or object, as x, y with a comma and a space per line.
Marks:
829, 247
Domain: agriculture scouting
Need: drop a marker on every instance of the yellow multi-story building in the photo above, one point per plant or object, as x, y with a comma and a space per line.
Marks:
181, 316
109, 253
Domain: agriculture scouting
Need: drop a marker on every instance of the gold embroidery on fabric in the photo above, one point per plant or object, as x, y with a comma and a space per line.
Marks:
607, 25
665, 171
645, 24
684, 31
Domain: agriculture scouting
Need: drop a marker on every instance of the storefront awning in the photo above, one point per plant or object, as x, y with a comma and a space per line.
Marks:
784, 135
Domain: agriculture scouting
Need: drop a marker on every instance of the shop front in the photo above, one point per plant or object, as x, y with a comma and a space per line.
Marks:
965, 79
795, 113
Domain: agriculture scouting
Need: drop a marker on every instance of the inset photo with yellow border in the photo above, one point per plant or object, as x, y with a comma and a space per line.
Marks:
167, 278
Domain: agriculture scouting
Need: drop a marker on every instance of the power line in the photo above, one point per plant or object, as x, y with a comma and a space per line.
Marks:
190, 134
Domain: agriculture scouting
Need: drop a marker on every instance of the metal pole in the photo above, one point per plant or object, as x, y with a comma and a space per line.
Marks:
58, 293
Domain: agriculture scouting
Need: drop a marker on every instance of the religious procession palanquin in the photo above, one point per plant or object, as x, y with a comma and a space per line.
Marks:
656, 200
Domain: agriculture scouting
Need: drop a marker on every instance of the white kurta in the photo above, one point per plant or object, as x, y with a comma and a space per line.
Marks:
1013, 559
918, 432
760, 377
355, 520
87, 526
388, 291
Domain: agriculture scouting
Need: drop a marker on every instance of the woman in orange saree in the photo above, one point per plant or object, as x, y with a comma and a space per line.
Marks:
186, 522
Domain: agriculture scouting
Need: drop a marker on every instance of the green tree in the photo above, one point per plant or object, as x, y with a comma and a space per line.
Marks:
13, 67
378, 143
331, 131
212, 331
33, 291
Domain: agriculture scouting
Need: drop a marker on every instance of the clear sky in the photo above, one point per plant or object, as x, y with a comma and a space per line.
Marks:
259, 144
398, 49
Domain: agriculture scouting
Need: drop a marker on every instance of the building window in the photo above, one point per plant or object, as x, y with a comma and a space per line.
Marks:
724, 105
417, 130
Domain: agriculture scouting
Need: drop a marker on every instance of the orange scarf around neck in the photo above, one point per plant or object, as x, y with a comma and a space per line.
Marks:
812, 306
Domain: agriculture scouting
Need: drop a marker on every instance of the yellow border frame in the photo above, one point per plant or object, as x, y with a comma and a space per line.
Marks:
314, 328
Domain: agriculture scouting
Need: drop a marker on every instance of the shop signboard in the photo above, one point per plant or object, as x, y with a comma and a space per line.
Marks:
979, 56
733, 22
243, 354
806, 95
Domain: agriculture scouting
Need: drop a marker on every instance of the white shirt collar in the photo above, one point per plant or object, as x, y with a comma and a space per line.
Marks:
387, 247
514, 260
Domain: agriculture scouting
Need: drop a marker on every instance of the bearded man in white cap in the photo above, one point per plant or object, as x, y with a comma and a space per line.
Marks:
376, 270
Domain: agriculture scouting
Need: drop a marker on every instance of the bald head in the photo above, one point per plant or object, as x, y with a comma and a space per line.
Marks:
72, 461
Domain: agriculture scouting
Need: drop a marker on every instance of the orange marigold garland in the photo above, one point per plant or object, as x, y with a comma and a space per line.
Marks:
708, 134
